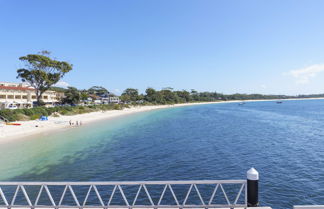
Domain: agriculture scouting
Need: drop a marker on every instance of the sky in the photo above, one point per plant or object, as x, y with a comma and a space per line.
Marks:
227, 46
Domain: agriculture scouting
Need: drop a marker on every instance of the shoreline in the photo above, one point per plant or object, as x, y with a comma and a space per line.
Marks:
35, 127
32, 128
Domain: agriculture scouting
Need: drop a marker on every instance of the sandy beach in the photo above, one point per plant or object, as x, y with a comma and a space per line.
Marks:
30, 128
34, 127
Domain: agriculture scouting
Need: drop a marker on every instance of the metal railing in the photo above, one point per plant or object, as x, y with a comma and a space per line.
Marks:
205, 191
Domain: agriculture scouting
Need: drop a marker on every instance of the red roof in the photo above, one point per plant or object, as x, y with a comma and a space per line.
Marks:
19, 88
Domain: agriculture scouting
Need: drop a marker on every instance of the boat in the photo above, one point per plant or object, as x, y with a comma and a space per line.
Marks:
279, 102
13, 124
241, 103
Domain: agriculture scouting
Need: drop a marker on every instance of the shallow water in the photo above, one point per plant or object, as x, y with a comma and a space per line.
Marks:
284, 142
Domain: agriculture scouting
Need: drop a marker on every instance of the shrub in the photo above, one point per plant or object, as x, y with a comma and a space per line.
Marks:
117, 107
35, 117
63, 112
36, 112
28, 112
55, 114
22, 117
9, 115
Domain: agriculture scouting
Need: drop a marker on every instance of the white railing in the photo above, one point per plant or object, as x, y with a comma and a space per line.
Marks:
32, 193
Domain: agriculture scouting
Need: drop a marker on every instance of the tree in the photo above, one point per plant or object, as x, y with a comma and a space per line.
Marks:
150, 95
84, 95
183, 95
72, 96
98, 90
42, 72
130, 95
169, 96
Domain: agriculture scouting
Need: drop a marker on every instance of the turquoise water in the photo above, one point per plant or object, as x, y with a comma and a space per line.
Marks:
284, 142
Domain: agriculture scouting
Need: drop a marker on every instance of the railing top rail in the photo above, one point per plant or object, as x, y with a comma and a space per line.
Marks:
7, 183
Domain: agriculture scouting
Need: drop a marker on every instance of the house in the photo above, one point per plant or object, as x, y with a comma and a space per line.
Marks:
104, 99
114, 100
20, 95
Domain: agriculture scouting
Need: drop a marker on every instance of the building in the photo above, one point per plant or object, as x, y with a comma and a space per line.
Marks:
20, 95
115, 100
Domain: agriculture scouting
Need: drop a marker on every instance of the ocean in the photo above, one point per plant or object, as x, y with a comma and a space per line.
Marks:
284, 142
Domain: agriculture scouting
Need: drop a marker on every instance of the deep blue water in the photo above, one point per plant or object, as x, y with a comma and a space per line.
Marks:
284, 142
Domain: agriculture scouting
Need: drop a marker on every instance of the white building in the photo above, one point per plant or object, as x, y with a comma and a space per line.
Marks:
115, 100
19, 95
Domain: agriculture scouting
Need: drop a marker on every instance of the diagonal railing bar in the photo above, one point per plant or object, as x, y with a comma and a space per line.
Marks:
239, 194
98, 195
87, 196
221, 186
148, 195
199, 195
213, 195
26, 195
74, 196
174, 196
121, 187
112, 195
3, 197
123, 195
187, 195
49, 195
39, 195
162, 195
63, 194
15, 195
138, 192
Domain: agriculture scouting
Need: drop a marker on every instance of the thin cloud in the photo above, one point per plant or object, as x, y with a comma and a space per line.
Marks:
62, 84
304, 75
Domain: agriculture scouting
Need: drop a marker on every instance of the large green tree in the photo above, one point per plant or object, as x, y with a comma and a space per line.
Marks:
130, 95
72, 96
98, 90
84, 95
150, 95
42, 72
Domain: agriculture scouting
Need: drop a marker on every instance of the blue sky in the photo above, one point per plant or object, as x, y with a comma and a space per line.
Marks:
271, 47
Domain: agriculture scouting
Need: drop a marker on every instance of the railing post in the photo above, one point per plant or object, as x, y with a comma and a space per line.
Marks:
252, 188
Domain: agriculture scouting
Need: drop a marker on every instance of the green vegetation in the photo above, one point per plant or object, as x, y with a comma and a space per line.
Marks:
164, 96
42, 72
35, 113
168, 96
58, 89
98, 90
72, 96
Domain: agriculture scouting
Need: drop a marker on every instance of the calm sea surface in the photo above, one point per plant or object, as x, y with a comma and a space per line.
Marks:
284, 142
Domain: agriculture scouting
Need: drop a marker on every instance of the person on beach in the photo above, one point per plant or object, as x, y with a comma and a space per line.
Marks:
70, 123
77, 123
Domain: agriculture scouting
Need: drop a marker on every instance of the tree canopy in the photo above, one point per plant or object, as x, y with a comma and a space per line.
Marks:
98, 90
72, 96
130, 95
42, 72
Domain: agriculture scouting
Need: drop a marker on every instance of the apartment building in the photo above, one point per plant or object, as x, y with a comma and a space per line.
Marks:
20, 95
